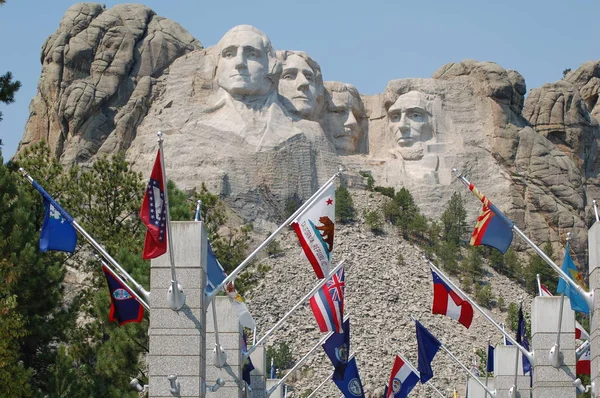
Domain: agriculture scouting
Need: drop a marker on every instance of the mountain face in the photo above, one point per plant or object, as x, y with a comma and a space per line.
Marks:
112, 78
261, 126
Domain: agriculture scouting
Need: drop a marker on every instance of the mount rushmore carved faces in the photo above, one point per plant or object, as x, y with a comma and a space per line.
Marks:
247, 65
409, 119
301, 84
345, 118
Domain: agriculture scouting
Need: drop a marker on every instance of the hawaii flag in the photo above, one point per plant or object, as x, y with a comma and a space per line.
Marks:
154, 213
580, 332
315, 229
327, 304
402, 380
447, 302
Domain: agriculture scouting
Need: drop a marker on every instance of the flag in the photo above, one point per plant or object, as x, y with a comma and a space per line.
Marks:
578, 302
522, 339
492, 228
315, 228
247, 366
427, 346
327, 304
124, 308
215, 274
154, 213
447, 302
237, 302
350, 385
455, 395
402, 379
337, 348
272, 369
489, 367
584, 364
57, 232
580, 332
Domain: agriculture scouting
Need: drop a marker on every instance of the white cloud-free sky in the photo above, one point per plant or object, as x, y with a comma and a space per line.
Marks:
365, 43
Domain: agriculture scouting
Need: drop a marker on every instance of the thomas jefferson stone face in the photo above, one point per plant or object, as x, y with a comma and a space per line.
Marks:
343, 121
409, 120
298, 86
243, 64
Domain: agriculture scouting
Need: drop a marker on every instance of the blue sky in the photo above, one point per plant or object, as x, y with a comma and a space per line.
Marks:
365, 43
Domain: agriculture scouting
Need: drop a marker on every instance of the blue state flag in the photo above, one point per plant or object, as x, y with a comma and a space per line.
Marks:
337, 348
57, 232
578, 302
490, 359
124, 308
215, 274
350, 385
247, 366
427, 346
522, 339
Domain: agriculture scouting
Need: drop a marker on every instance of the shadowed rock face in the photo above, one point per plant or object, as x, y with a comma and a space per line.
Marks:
260, 126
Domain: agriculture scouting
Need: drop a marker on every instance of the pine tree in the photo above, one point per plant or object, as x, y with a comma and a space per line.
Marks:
344, 207
8, 88
454, 219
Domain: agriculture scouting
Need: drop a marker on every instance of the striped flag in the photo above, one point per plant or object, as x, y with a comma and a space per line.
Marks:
328, 304
492, 228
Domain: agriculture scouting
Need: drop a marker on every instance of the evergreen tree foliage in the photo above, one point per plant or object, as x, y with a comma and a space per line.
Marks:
454, 219
402, 212
344, 206
374, 221
8, 88
537, 265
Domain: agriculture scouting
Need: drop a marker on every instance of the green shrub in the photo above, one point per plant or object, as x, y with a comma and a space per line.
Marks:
374, 221
344, 206
389, 192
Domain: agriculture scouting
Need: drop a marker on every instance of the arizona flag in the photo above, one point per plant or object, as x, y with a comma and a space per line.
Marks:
154, 213
584, 365
580, 332
124, 308
447, 302
402, 380
493, 228
315, 228
327, 304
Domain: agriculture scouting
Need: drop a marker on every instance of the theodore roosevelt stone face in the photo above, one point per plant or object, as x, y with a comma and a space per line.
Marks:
243, 65
342, 120
409, 120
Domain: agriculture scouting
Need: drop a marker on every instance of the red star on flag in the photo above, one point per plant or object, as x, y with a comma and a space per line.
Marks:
329, 201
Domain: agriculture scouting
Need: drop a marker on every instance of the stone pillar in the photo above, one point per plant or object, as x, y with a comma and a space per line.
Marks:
278, 392
475, 390
258, 375
549, 382
177, 344
230, 338
594, 264
504, 372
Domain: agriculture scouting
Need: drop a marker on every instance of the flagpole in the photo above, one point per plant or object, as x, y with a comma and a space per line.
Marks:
556, 357
298, 304
487, 360
507, 336
321, 385
407, 362
248, 259
443, 347
514, 386
130, 290
175, 295
596, 210
300, 362
588, 296
88, 237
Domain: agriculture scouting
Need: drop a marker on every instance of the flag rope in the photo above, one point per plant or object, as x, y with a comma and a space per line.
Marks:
248, 259
95, 245
588, 296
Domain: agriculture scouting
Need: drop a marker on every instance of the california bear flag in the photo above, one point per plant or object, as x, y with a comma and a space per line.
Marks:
315, 229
